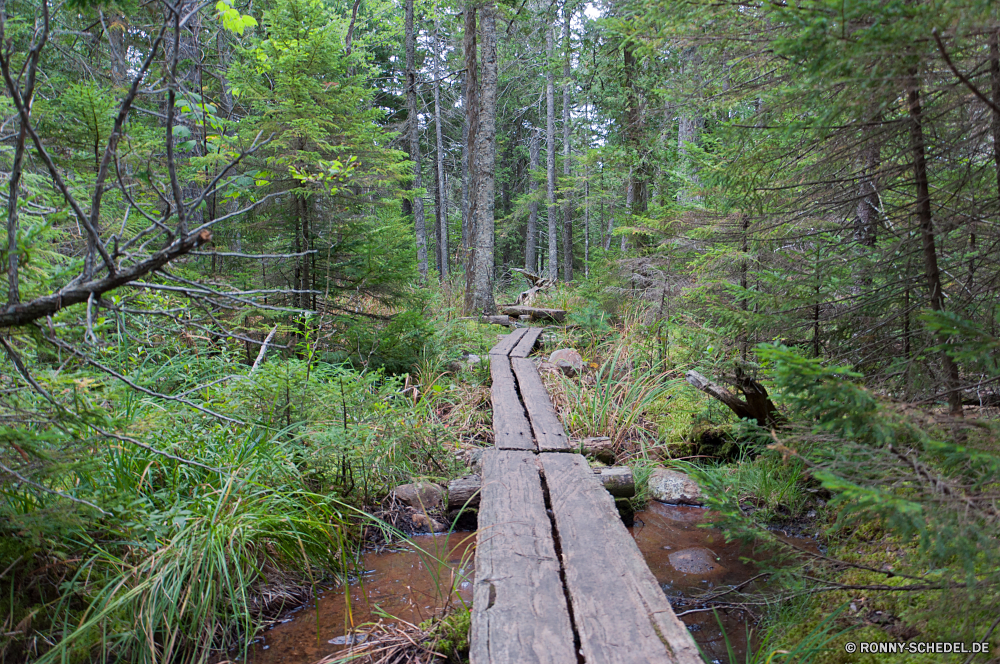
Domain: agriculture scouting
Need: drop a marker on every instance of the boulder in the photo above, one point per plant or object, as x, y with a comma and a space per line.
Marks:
670, 486
421, 495
568, 361
423, 523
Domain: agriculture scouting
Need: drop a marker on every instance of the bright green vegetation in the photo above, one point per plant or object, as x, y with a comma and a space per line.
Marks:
245, 260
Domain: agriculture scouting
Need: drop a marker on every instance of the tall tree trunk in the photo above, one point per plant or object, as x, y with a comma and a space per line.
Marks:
931, 272
437, 219
744, 270
867, 210
550, 155
442, 193
472, 121
413, 123
567, 200
465, 172
485, 162
531, 236
636, 192
995, 85
586, 193
689, 126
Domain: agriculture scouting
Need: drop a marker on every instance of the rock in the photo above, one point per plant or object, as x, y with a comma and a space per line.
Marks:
454, 367
476, 459
422, 495
568, 361
473, 360
670, 486
547, 367
424, 523
697, 560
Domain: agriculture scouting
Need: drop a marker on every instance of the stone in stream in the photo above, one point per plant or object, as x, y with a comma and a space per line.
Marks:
568, 361
696, 560
422, 522
670, 486
421, 495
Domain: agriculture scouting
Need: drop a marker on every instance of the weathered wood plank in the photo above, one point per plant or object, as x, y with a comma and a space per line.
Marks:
549, 433
511, 429
508, 342
527, 342
519, 612
620, 612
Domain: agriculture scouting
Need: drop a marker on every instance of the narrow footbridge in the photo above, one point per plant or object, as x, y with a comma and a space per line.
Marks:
558, 577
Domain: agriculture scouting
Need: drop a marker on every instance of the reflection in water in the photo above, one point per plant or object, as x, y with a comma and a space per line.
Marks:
402, 583
688, 560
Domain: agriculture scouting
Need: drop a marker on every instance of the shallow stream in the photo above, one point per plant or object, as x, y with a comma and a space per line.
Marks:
406, 584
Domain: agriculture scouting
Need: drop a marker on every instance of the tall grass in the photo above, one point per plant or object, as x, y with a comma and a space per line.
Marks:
186, 568
617, 404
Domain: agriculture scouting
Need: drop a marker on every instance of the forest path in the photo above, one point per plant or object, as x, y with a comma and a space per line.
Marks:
558, 577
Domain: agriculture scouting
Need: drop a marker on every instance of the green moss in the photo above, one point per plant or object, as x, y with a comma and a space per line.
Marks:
451, 634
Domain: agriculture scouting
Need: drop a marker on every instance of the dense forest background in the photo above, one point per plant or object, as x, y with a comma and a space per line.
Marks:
248, 246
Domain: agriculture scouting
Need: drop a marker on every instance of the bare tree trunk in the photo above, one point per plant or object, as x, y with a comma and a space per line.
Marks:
465, 172
413, 122
13, 281
550, 155
113, 23
567, 201
744, 269
442, 193
531, 236
931, 271
636, 191
689, 127
472, 121
485, 162
867, 211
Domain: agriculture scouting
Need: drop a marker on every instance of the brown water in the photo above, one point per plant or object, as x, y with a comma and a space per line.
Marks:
413, 586
689, 561
403, 582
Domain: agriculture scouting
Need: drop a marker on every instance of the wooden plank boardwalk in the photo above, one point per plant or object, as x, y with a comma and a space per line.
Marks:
558, 577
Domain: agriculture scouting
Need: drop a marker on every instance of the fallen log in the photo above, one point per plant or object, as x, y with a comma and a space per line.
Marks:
536, 313
618, 481
496, 320
757, 406
464, 491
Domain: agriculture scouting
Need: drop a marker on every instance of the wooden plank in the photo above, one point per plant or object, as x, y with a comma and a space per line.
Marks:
519, 612
549, 433
527, 342
620, 613
508, 342
511, 429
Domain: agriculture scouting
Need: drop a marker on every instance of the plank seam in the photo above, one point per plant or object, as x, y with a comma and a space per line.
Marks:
557, 545
524, 409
